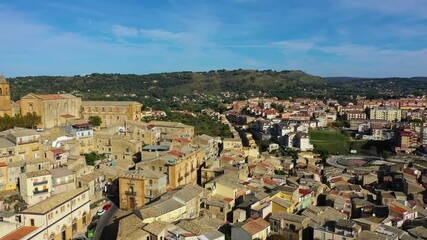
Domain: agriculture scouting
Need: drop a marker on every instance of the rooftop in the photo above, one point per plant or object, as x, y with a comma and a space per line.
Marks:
19, 233
255, 226
108, 103
60, 172
40, 173
53, 202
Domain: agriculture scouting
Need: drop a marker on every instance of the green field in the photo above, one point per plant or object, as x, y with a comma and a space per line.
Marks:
332, 141
337, 143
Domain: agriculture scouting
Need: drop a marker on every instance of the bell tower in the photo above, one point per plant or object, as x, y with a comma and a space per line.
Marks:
5, 103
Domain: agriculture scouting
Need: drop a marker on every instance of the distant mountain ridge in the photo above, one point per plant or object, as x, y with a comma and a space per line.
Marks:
334, 79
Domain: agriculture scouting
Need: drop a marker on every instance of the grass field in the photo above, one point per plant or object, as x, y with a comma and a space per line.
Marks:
330, 140
338, 143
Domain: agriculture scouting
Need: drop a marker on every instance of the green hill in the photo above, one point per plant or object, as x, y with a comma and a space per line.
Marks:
160, 89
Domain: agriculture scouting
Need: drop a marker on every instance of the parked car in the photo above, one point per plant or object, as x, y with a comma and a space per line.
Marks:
91, 226
100, 212
96, 218
107, 207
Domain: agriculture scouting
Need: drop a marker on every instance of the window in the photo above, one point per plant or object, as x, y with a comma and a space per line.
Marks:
221, 209
160, 169
150, 192
32, 222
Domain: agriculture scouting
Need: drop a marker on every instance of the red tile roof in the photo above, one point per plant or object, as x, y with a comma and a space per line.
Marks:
176, 153
255, 226
397, 209
181, 140
19, 233
2, 164
305, 192
57, 150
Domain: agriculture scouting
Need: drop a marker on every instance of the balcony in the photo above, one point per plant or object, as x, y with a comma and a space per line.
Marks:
35, 149
41, 191
40, 183
130, 193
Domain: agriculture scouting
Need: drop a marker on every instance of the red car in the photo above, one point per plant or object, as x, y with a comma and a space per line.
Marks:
107, 207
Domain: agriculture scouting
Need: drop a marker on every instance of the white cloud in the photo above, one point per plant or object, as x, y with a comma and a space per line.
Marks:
160, 34
295, 45
122, 31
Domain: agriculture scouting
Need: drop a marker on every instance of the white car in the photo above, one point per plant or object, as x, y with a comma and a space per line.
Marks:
100, 212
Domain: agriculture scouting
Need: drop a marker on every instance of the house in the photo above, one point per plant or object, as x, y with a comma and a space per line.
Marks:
290, 226
94, 181
285, 199
63, 180
28, 143
58, 156
132, 190
141, 186
81, 130
251, 230
341, 229
35, 186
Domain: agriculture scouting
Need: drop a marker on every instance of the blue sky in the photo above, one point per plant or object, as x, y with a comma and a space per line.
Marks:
362, 38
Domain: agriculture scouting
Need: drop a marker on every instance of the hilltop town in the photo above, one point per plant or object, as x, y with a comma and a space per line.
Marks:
293, 169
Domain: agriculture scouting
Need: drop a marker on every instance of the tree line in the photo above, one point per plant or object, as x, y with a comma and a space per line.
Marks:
30, 120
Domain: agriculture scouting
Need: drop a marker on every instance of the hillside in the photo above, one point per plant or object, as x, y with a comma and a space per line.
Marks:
197, 90
160, 89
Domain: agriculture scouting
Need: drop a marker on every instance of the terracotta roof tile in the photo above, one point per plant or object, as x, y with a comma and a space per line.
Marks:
19, 233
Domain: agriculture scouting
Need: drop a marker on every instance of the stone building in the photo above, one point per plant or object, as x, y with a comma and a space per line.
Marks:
35, 186
131, 190
112, 112
5, 102
54, 109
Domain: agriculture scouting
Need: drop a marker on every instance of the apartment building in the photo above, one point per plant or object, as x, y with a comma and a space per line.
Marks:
60, 216
63, 180
142, 131
179, 165
81, 130
389, 114
8, 150
27, 141
35, 186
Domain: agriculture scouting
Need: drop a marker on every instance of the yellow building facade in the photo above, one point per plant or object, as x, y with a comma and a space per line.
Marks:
131, 190
111, 112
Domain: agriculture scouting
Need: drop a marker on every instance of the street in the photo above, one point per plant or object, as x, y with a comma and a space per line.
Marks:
104, 221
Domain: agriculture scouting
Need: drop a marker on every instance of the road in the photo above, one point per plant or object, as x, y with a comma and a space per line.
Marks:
104, 221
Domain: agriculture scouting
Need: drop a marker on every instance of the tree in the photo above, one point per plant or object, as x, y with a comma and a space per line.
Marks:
31, 120
92, 157
95, 121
